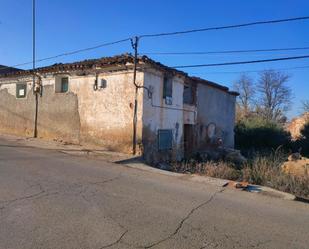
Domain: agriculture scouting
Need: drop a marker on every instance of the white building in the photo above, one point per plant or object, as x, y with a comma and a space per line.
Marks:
93, 101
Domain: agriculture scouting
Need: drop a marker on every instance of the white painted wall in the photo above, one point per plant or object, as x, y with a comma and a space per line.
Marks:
157, 115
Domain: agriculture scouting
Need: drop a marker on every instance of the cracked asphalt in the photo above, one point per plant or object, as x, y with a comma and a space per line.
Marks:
49, 199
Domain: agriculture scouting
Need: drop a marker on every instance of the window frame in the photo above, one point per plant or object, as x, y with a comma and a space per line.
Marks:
62, 84
192, 93
167, 90
59, 84
18, 96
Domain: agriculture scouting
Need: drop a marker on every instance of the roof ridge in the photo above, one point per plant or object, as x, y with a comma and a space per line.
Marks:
111, 60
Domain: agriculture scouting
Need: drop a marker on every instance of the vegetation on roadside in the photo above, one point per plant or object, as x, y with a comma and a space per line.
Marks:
303, 142
261, 136
260, 170
257, 134
266, 146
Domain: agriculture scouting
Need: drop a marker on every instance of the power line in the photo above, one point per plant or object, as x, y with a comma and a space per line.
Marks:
227, 51
71, 52
243, 62
226, 27
166, 34
255, 71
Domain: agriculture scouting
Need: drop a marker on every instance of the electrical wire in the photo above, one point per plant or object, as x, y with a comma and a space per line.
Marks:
227, 51
167, 34
226, 27
70, 53
256, 71
243, 62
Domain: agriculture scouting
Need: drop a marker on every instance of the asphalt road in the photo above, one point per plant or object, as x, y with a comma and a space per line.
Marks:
49, 199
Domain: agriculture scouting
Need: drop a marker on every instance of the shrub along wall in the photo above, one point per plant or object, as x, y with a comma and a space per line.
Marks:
259, 135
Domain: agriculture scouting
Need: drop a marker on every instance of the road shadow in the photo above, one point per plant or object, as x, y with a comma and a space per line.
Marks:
137, 159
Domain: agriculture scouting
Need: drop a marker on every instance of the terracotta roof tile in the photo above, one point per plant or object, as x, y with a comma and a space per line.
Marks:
109, 61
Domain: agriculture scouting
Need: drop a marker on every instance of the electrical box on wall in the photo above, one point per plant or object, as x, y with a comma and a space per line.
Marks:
103, 83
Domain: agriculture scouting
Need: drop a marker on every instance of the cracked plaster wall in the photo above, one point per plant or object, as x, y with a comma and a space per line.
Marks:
155, 118
81, 115
218, 107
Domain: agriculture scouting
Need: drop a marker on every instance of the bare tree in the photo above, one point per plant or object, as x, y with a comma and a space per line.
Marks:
245, 87
305, 106
274, 95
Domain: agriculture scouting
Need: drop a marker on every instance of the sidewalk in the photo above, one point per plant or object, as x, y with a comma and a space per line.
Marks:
68, 148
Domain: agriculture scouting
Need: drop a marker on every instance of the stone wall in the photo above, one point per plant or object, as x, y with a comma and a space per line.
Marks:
104, 116
16, 115
215, 107
81, 115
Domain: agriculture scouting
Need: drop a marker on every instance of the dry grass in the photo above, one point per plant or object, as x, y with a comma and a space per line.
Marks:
267, 171
261, 170
210, 168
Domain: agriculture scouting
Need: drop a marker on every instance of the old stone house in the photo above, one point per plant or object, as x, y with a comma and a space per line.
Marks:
93, 101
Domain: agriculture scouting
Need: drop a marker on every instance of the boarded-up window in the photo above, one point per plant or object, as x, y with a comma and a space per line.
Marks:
21, 90
167, 87
165, 139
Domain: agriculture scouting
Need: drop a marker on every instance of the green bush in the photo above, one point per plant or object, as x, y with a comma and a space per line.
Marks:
259, 135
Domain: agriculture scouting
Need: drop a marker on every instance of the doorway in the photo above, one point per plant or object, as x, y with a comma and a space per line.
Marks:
188, 137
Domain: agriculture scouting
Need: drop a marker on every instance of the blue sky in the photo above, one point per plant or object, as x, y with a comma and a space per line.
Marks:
65, 25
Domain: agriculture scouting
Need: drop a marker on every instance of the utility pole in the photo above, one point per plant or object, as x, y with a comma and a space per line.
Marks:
35, 132
135, 46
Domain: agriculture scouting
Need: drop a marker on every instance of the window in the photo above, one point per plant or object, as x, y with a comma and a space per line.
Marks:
165, 139
61, 84
167, 87
64, 84
21, 90
189, 93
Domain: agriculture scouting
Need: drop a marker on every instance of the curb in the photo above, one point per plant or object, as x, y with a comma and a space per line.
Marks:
217, 182
276, 193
